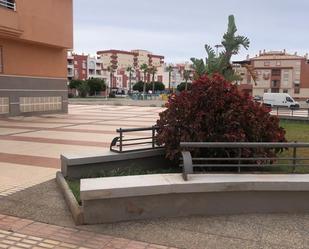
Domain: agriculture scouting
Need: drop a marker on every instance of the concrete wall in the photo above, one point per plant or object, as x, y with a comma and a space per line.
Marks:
176, 205
15, 87
114, 199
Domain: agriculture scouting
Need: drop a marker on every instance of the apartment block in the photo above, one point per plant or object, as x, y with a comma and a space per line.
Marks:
84, 67
34, 39
276, 71
118, 61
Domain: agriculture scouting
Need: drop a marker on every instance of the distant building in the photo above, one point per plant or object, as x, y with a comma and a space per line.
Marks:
119, 61
34, 39
276, 71
177, 74
83, 67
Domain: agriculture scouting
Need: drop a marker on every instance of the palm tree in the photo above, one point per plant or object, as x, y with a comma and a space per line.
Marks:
144, 68
111, 71
169, 69
221, 63
153, 70
186, 77
130, 70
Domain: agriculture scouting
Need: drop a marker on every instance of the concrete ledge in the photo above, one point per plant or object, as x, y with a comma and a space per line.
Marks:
75, 208
167, 195
77, 166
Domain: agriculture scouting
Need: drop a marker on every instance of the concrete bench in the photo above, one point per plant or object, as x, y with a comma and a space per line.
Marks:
168, 195
80, 166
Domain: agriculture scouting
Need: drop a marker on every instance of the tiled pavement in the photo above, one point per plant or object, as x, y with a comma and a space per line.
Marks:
30, 148
34, 144
16, 233
29, 156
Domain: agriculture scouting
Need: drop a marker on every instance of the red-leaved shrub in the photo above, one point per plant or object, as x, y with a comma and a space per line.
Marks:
215, 111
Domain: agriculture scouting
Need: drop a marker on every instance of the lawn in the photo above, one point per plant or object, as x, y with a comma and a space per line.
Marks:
295, 131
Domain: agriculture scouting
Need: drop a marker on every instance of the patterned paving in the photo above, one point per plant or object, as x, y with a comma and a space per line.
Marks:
30, 147
16, 233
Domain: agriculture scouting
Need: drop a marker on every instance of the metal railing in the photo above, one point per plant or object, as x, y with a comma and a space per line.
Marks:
120, 144
239, 161
290, 112
8, 4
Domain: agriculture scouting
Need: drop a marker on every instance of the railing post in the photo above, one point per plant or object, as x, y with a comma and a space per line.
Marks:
292, 111
187, 164
294, 158
153, 136
308, 113
120, 140
277, 110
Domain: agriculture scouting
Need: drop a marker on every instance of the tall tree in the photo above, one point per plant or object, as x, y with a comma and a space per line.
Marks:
221, 63
144, 68
130, 70
186, 77
111, 71
153, 70
169, 69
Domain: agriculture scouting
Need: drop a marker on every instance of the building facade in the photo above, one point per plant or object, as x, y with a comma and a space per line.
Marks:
34, 39
83, 67
116, 62
276, 71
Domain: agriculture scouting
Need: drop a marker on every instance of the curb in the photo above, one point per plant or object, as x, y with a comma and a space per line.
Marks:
75, 208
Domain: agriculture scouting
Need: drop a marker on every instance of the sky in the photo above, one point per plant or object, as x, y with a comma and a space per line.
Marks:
179, 29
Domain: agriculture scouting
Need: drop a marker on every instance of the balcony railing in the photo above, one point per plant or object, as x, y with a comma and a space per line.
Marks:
8, 4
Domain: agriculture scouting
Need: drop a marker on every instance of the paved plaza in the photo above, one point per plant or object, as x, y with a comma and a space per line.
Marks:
33, 213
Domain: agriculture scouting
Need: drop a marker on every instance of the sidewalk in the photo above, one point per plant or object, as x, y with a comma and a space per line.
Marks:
17, 233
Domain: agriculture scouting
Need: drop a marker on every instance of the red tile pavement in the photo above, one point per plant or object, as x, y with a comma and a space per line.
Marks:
54, 141
23, 233
30, 160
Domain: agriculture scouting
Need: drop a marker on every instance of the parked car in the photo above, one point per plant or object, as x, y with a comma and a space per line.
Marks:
279, 99
307, 101
257, 98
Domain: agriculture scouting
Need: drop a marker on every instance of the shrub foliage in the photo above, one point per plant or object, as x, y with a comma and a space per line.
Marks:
215, 111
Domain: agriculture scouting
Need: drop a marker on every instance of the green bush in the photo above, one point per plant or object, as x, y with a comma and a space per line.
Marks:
139, 86
182, 86
83, 89
74, 84
96, 85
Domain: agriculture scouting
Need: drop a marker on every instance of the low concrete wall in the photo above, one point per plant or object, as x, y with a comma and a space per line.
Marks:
77, 166
151, 196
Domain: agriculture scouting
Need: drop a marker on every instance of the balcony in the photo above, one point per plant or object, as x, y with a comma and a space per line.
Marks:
9, 4
10, 23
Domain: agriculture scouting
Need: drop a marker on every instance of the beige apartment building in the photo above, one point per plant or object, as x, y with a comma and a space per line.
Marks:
276, 71
120, 60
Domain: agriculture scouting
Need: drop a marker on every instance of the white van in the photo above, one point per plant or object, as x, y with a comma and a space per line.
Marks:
279, 99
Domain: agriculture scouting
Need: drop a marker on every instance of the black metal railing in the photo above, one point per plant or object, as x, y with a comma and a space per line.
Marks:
141, 142
189, 162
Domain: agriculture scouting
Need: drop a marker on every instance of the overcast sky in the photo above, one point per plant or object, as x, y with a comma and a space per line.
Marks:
179, 29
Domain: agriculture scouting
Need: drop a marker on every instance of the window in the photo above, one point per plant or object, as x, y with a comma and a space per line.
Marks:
278, 63
265, 90
76, 63
276, 72
266, 63
285, 91
1, 60
288, 99
296, 90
